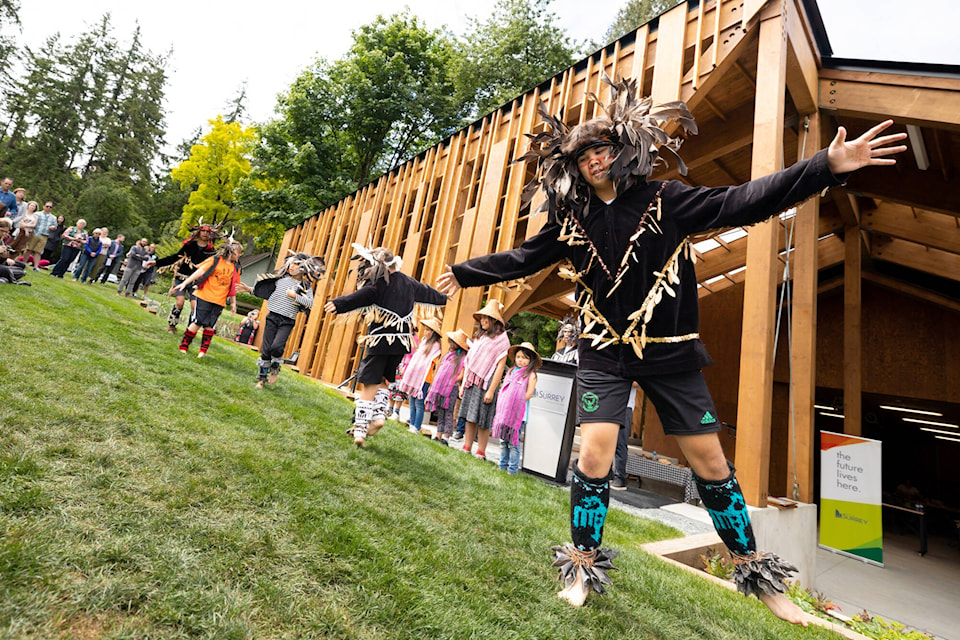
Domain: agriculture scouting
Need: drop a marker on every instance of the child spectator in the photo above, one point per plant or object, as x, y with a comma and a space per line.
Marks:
483, 370
441, 399
248, 328
396, 398
422, 363
513, 402
217, 279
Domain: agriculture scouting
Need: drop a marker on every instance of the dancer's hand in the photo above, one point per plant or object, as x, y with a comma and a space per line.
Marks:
865, 151
488, 396
330, 307
292, 294
447, 282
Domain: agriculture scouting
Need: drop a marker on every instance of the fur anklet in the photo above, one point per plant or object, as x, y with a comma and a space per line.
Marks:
757, 573
592, 565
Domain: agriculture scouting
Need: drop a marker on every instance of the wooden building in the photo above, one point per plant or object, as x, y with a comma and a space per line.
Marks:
873, 267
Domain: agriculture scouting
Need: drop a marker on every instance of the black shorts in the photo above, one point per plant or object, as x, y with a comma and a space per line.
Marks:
682, 400
187, 291
205, 313
373, 369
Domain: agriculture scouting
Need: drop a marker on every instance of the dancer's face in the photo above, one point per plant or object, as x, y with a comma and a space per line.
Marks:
485, 323
594, 166
522, 359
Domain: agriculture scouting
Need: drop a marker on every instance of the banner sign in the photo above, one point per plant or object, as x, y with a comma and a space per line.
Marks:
850, 496
546, 423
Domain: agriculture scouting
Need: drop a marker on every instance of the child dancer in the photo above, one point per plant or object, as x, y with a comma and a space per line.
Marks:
217, 279
512, 403
483, 370
288, 291
388, 297
194, 250
421, 365
626, 237
442, 397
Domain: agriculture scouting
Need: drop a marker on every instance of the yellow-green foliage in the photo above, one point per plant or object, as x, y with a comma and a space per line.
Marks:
213, 171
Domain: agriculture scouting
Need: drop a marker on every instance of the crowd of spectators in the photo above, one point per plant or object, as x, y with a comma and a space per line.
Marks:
35, 237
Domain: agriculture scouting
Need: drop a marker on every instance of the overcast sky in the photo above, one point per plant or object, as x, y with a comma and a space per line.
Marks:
218, 45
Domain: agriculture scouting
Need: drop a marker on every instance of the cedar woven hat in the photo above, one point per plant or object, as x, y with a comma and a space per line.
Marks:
434, 324
493, 309
531, 351
460, 338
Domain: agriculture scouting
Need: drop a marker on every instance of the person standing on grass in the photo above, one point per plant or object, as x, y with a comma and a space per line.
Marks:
483, 370
46, 224
513, 403
91, 249
194, 250
131, 272
54, 236
288, 291
441, 398
73, 240
111, 260
217, 279
388, 298
626, 240
418, 374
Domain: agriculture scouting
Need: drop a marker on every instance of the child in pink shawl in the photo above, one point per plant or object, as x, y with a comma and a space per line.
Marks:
518, 387
442, 396
415, 378
482, 372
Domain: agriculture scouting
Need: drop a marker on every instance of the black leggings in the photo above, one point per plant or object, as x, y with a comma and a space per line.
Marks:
276, 330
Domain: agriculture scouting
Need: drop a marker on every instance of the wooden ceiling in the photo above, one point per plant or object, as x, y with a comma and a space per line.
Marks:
908, 215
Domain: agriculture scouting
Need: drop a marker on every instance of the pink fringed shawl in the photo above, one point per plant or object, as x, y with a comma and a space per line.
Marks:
417, 369
482, 359
511, 406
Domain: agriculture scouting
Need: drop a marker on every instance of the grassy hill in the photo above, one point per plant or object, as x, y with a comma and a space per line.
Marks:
147, 494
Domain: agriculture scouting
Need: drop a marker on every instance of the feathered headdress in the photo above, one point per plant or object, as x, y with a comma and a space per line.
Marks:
213, 228
632, 126
229, 246
312, 267
374, 263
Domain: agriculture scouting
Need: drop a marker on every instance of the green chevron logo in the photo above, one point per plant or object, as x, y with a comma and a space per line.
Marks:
707, 419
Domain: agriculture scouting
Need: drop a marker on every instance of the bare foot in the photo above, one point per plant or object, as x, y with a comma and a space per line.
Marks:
374, 426
784, 608
576, 593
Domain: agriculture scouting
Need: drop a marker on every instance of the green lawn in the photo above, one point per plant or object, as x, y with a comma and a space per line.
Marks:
147, 494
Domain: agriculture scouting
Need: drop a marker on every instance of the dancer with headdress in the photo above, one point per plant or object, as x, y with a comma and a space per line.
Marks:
217, 279
194, 250
387, 298
288, 291
625, 240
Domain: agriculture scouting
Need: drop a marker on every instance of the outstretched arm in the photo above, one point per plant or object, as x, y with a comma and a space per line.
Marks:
868, 150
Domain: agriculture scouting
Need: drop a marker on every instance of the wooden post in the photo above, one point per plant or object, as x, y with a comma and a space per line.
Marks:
851, 332
803, 365
755, 398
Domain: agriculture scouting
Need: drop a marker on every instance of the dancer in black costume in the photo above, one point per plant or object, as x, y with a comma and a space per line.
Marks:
625, 242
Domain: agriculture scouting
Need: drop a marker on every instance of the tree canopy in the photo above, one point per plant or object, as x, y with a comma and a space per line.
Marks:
90, 108
217, 164
635, 13
513, 50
